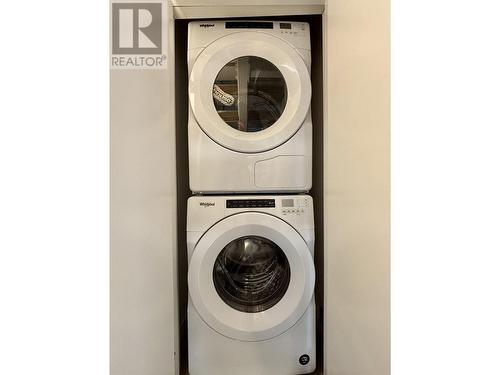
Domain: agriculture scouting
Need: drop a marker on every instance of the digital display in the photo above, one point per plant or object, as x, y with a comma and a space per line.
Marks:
248, 25
250, 203
287, 203
285, 26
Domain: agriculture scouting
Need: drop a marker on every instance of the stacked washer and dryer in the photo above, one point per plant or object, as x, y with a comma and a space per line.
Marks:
250, 222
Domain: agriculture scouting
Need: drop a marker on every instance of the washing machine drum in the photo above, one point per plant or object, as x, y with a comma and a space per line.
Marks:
251, 274
250, 91
251, 277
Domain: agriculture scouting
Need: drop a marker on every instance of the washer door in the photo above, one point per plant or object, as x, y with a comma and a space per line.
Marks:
251, 277
250, 91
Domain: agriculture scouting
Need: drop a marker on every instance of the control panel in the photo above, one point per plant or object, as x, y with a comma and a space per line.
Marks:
294, 206
290, 28
203, 33
286, 205
250, 203
204, 211
264, 25
249, 25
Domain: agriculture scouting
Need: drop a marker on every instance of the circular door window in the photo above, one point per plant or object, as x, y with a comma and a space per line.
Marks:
251, 274
249, 94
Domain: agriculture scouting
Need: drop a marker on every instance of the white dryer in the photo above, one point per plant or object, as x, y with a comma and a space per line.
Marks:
251, 279
249, 122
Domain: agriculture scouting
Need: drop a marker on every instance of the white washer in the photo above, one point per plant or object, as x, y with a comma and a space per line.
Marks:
251, 278
249, 122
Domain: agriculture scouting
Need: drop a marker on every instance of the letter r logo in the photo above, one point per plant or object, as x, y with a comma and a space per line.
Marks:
136, 28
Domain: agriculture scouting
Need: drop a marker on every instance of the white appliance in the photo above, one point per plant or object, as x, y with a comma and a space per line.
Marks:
251, 278
249, 122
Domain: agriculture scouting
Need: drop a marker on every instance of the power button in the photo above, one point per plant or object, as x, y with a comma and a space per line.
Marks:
304, 359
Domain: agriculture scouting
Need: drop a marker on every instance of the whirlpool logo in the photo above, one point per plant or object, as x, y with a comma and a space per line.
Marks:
207, 204
206, 25
138, 35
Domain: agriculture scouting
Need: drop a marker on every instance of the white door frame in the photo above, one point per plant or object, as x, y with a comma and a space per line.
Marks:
261, 325
260, 44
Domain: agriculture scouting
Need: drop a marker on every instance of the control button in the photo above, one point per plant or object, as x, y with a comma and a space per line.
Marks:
304, 359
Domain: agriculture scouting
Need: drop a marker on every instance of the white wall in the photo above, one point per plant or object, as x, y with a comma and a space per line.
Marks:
144, 327
357, 142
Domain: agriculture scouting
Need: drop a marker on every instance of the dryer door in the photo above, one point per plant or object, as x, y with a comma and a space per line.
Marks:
251, 276
250, 91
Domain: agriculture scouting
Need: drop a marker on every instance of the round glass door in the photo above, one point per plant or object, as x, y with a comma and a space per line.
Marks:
249, 94
251, 274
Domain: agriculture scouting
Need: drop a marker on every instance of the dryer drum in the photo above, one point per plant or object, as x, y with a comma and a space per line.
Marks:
251, 274
258, 91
